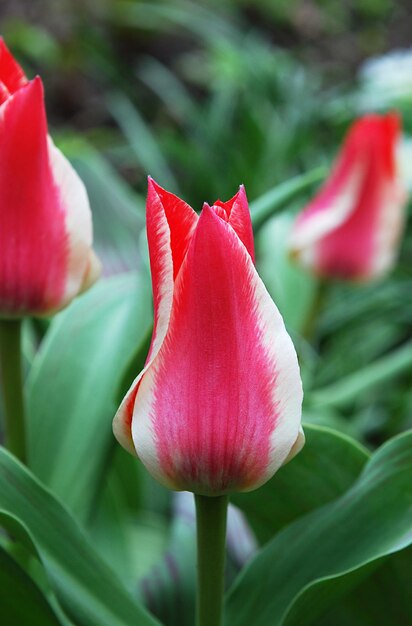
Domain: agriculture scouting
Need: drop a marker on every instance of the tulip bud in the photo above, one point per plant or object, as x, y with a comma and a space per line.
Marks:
217, 407
351, 229
45, 220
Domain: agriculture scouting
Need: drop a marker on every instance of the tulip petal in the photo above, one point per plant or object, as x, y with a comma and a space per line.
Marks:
12, 76
331, 207
32, 219
351, 228
46, 228
170, 224
83, 267
219, 407
363, 246
238, 214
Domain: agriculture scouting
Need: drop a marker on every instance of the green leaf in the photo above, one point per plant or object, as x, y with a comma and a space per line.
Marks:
348, 389
87, 589
21, 601
370, 521
20, 546
73, 384
328, 465
128, 535
383, 599
277, 198
292, 289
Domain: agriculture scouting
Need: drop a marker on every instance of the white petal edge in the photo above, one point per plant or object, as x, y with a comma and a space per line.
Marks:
162, 324
81, 263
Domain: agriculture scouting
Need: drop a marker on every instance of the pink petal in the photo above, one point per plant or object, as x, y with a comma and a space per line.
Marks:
218, 409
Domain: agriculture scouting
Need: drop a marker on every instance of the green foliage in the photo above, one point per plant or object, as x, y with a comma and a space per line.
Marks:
86, 588
20, 598
73, 384
368, 522
327, 467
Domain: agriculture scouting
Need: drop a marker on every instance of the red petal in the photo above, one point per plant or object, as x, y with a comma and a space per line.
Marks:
12, 76
33, 239
238, 216
181, 219
170, 223
342, 232
350, 250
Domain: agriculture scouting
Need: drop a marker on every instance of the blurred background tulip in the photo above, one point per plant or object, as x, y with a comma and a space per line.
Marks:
351, 230
45, 220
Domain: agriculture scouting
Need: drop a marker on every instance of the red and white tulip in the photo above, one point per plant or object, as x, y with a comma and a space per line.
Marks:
45, 220
351, 229
217, 407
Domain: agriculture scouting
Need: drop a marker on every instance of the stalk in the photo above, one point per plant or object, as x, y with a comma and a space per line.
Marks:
11, 380
211, 513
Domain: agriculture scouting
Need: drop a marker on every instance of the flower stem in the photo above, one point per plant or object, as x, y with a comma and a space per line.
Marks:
211, 515
309, 327
11, 378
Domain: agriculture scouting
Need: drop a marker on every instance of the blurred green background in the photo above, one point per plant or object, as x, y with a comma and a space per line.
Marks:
205, 96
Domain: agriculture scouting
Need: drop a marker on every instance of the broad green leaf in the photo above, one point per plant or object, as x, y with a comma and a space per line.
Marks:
125, 531
348, 389
277, 198
383, 599
368, 522
85, 586
73, 384
19, 545
327, 466
291, 288
21, 600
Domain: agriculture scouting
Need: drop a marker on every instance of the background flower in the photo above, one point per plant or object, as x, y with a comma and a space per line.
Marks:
45, 220
351, 229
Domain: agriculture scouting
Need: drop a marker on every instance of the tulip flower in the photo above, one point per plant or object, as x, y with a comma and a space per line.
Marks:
45, 220
217, 407
351, 229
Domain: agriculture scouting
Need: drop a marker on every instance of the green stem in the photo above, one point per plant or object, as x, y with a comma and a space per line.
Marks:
309, 327
211, 540
12, 386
